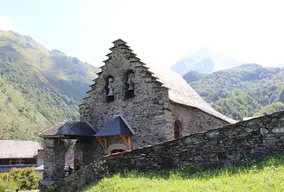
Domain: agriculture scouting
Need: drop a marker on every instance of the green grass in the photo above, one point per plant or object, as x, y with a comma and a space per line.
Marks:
266, 174
38, 87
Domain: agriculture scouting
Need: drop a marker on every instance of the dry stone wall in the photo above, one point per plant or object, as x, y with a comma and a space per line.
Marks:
217, 147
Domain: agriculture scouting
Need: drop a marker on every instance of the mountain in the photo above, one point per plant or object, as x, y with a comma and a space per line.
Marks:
38, 87
204, 61
243, 91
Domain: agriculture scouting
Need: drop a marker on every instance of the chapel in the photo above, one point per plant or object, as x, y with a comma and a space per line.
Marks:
129, 105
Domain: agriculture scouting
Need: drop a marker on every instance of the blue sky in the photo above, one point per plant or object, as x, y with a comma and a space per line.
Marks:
159, 31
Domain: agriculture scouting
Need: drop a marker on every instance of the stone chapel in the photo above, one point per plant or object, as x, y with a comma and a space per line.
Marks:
130, 105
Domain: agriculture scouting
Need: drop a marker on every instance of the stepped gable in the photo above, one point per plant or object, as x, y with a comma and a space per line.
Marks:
179, 90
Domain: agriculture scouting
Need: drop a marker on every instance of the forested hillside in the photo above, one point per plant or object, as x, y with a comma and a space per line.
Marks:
244, 91
38, 87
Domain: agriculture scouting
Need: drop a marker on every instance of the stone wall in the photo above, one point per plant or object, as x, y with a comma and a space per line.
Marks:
145, 112
40, 156
54, 158
59, 153
86, 150
216, 147
193, 120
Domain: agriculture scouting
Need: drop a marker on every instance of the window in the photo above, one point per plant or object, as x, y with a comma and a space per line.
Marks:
129, 92
19, 161
109, 88
177, 129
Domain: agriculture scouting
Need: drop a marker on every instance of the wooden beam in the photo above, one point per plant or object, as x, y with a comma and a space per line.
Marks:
127, 141
124, 138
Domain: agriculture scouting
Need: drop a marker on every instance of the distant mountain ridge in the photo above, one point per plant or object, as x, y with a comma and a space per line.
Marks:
38, 87
243, 91
204, 61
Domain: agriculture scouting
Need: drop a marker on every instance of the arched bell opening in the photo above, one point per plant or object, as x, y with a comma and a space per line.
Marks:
129, 84
109, 88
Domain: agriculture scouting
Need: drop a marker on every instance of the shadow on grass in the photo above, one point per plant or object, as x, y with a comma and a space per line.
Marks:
202, 172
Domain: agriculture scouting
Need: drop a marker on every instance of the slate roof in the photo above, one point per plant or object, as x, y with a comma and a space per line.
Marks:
116, 127
18, 149
182, 93
73, 129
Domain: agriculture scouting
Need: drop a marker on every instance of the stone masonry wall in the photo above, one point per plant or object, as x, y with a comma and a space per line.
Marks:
193, 120
54, 158
86, 150
216, 147
145, 113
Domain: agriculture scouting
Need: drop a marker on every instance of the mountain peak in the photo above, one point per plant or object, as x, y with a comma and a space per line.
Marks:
57, 52
204, 61
14, 32
203, 51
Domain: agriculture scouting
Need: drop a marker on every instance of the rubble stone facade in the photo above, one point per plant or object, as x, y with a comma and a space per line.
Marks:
150, 113
193, 120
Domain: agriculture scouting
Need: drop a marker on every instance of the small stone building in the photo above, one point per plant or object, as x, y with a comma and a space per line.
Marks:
130, 105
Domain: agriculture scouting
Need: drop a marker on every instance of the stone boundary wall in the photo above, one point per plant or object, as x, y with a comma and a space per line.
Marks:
217, 147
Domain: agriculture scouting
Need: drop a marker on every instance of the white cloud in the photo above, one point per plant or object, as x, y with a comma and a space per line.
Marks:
6, 23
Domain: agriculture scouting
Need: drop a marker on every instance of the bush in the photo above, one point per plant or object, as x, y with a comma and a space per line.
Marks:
6, 184
23, 178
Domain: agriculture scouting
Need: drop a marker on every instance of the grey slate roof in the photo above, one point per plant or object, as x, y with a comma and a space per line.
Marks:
116, 127
75, 129
182, 93
18, 149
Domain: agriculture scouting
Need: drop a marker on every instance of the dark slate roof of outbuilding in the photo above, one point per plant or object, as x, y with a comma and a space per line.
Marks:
75, 129
116, 127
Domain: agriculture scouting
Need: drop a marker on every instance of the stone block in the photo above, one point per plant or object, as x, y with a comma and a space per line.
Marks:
49, 143
263, 131
278, 130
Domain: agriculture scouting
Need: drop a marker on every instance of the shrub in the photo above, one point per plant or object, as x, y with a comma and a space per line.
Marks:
8, 184
23, 178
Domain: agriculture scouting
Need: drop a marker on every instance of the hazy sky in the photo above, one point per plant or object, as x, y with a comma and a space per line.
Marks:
159, 31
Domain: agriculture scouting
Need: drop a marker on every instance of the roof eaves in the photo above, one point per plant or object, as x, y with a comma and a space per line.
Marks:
132, 131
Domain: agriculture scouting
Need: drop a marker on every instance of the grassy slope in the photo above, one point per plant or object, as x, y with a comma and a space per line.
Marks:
265, 174
15, 112
38, 87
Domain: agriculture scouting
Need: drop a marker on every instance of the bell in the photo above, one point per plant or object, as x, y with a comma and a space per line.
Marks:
110, 92
131, 87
